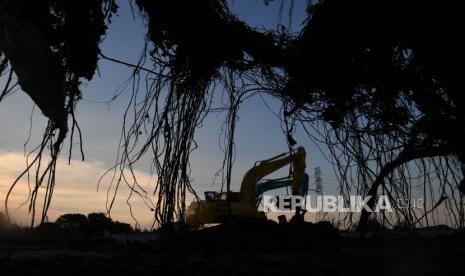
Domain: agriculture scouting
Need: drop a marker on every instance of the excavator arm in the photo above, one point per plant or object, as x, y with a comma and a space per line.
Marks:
255, 174
273, 184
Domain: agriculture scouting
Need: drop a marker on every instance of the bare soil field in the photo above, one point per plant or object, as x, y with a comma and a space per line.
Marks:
268, 249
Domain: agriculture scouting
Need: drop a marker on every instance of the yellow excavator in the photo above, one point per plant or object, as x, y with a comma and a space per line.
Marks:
243, 205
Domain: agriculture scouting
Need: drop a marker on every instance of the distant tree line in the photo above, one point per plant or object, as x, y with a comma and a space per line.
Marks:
94, 224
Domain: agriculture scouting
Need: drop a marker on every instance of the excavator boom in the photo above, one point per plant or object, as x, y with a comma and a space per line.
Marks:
274, 184
255, 174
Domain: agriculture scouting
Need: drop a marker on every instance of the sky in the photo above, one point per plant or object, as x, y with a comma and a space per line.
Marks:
258, 134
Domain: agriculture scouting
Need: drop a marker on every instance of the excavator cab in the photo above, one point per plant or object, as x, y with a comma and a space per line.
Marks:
212, 196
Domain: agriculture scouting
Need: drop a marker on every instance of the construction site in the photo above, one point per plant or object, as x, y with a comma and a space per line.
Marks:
231, 137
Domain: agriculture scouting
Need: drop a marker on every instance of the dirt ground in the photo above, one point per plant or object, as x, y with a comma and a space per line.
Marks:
308, 249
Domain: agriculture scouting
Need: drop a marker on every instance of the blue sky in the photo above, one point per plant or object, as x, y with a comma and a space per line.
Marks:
259, 134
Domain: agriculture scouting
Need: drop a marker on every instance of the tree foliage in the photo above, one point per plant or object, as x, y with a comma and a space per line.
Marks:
92, 224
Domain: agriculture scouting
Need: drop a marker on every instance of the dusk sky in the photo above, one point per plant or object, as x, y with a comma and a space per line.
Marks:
259, 134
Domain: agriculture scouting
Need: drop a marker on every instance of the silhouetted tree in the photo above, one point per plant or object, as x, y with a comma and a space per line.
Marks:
93, 224
3, 221
99, 223
120, 228
76, 222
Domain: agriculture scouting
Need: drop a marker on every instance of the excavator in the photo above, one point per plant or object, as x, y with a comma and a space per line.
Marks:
243, 205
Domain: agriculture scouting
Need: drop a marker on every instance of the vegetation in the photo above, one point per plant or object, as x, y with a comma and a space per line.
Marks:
94, 224
361, 77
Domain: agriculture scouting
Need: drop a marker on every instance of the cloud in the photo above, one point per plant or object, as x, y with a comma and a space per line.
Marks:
76, 190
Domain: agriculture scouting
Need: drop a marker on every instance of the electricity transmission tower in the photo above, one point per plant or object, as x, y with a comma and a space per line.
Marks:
318, 188
318, 181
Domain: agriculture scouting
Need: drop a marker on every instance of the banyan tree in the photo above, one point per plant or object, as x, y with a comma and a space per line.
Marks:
378, 82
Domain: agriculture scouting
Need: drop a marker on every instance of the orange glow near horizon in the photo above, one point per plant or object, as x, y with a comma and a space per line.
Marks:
75, 191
